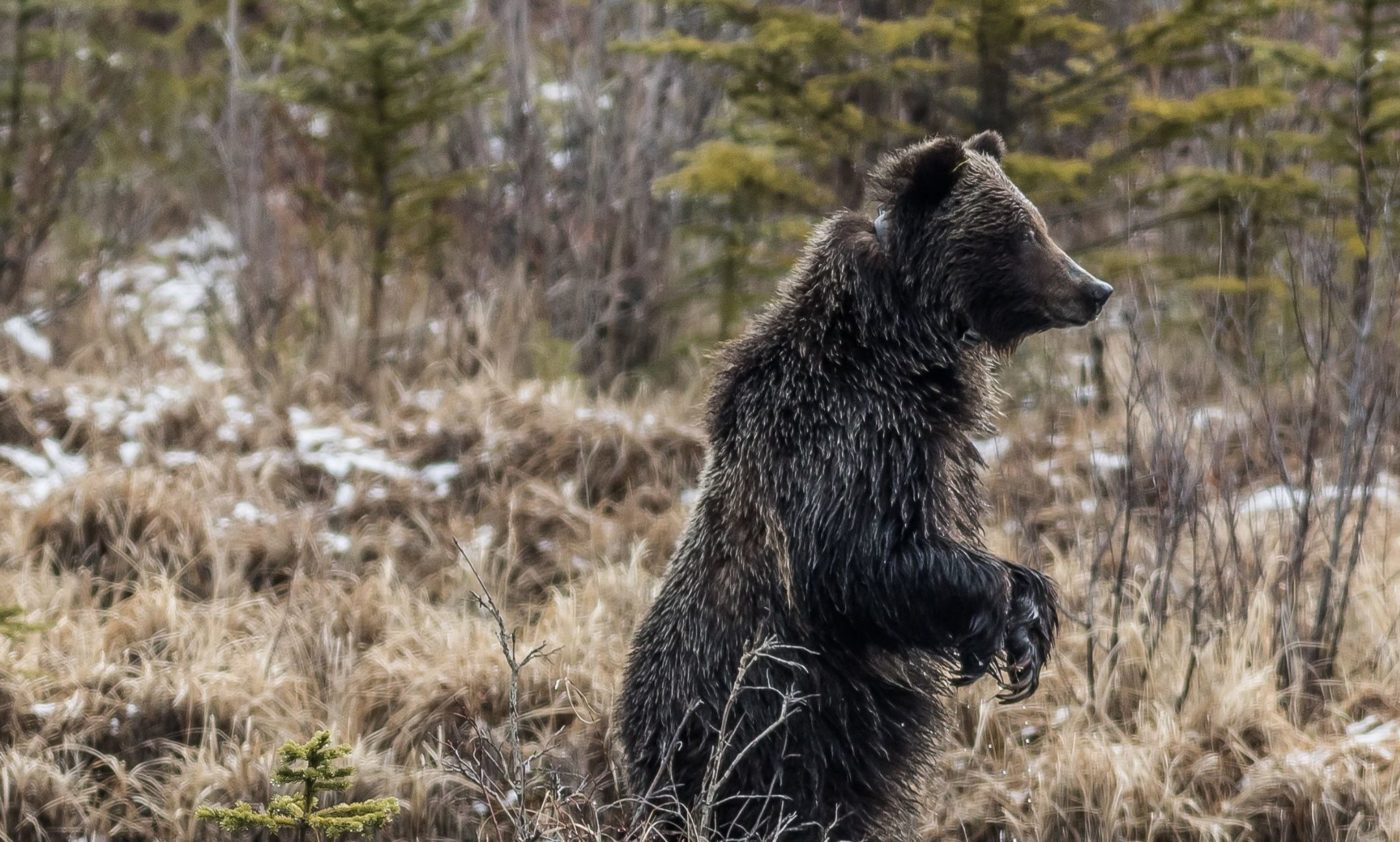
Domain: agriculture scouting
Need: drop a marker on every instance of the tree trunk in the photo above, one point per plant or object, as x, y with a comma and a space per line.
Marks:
1365, 19
999, 25
381, 217
13, 262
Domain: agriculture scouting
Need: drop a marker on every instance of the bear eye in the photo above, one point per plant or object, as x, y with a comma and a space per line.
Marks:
1028, 236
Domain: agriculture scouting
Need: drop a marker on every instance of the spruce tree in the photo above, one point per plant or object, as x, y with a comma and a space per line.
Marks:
310, 768
1362, 129
1244, 187
383, 75
750, 208
791, 125
813, 96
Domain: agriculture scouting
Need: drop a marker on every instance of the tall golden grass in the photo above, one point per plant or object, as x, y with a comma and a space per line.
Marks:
230, 567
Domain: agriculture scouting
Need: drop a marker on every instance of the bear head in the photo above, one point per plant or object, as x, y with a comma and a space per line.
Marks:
972, 249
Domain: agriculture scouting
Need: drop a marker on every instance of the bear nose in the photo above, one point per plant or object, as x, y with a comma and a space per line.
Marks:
1095, 290
1099, 292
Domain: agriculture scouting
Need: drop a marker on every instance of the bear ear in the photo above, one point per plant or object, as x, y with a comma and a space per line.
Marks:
922, 174
988, 143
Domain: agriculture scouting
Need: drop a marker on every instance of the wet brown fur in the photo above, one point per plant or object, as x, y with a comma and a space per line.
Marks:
839, 520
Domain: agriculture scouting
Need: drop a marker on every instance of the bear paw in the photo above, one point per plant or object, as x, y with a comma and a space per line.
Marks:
985, 637
1030, 632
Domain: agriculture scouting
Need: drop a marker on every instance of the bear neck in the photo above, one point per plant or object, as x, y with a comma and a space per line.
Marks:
852, 299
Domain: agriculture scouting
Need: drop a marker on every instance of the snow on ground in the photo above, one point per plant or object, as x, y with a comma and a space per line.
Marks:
21, 331
173, 297
46, 470
338, 452
1287, 499
1367, 740
342, 453
1106, 464
130, 411
992, 449
184, 286
186, 283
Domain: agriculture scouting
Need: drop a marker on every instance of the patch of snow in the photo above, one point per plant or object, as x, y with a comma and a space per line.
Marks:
1108, 463
173, 298
21, 331
1382, 736
129, 452
70, 708
237, 419
66, 465
440, 475
340, 454
178, 458
1272, 499
1208, 416
130, 412
992, 449
336, 542
1284, 498
1382, 493
248, 513
608, 415
31, 463
47, 471
482, 539
345, 495
1050, 468
558, 92
427, 399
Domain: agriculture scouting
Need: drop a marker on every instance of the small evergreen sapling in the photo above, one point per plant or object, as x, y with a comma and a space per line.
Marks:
308, 764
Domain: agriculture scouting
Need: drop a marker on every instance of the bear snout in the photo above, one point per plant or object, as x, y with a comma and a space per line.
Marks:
1093, 293
1097, 293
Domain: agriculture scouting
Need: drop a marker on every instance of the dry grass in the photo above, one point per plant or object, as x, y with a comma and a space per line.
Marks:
224, 571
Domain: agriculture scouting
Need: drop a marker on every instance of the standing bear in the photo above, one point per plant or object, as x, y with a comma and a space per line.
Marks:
832, 585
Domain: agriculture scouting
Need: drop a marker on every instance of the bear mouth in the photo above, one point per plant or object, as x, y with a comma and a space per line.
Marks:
972, 337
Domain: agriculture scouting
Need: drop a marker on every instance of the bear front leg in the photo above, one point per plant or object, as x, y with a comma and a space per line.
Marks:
979, 591
990, 610
948, 597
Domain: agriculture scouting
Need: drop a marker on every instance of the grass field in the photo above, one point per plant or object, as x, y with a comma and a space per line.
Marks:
218, 565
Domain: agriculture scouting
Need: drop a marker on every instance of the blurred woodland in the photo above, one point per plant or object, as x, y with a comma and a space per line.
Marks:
621, 182
320, 317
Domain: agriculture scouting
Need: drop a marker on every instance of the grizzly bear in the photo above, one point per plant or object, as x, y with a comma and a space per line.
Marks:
832, 585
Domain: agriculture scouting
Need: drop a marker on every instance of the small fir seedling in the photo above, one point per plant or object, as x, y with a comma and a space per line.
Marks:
309, 765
